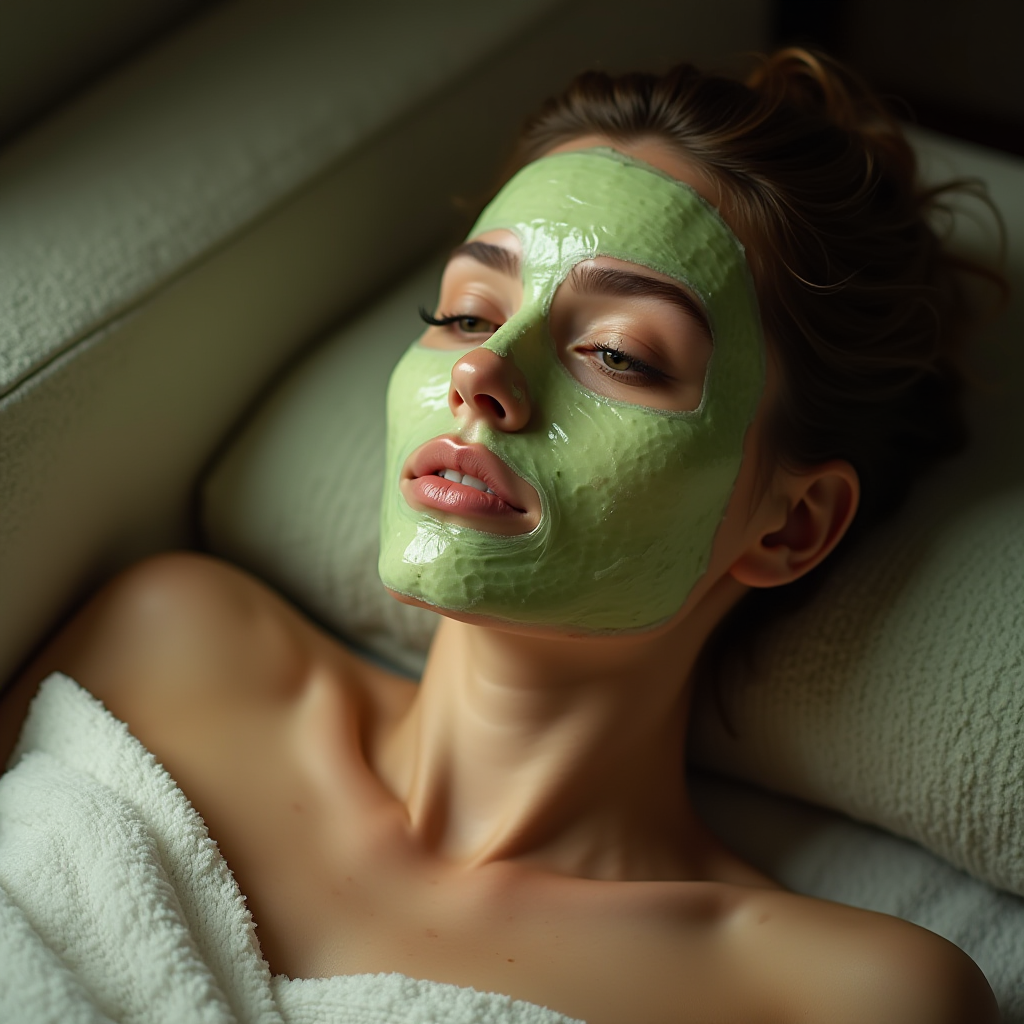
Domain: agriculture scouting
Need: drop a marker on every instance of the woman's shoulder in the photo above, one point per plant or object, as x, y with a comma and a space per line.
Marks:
181, 626
828, 961
698, 950
180, 633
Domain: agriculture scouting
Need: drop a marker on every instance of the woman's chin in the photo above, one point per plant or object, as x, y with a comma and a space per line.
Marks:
541, 630
489, 621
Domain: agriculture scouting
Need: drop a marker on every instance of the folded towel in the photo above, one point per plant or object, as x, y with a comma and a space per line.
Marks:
115, 904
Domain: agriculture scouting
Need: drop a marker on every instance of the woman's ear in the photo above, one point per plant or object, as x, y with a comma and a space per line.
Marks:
818, 506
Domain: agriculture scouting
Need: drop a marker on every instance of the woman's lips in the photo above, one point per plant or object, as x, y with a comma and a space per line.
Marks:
493, 498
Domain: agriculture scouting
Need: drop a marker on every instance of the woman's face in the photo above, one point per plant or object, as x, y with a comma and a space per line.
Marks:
564, 441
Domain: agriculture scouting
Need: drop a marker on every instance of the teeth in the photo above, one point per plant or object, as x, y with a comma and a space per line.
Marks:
468, 481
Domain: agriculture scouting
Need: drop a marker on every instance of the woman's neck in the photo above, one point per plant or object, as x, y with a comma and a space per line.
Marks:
567, 752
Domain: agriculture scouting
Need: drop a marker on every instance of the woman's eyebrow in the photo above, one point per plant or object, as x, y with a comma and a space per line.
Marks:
607, 281
497, 257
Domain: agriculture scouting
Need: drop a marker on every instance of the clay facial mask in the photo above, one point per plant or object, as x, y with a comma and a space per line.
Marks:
631, 497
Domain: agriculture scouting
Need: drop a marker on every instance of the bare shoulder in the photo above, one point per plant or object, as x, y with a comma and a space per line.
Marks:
831, 962
178, 627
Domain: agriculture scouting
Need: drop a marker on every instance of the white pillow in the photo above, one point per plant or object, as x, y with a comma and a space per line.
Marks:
896, 697
897, 694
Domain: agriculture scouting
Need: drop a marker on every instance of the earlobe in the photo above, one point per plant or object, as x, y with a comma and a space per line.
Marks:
820, 505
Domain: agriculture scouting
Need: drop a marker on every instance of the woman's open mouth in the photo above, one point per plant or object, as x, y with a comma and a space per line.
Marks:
470, 485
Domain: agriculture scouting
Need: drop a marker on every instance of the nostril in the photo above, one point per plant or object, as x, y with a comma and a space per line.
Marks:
492, 403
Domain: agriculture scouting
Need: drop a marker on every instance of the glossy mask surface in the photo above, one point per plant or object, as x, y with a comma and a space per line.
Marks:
631, 497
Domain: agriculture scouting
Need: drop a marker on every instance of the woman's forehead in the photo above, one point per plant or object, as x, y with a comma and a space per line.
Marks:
657, 153
573, 206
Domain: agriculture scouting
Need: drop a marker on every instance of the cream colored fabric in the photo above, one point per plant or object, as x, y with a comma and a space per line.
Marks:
898, 697
116, 905
124, 188
397, 999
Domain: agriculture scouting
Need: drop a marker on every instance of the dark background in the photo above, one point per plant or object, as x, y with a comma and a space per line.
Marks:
956, 66
953, 65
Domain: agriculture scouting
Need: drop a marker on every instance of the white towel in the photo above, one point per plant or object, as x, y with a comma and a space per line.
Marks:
115, 904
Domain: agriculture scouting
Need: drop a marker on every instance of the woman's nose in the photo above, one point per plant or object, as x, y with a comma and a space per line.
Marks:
491, 388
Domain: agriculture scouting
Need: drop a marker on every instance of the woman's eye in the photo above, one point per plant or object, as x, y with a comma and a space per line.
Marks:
615, 360
626, 368
475, 325
461, 323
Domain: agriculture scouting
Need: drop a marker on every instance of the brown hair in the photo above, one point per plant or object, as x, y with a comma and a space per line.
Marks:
862, 306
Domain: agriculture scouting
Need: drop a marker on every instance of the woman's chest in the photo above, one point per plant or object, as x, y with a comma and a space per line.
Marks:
334, 895
593, 956
336, 885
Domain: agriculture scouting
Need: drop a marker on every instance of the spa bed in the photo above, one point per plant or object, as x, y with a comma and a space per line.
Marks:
197, 247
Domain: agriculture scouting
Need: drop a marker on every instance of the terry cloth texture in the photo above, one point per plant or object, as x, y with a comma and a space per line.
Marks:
115, 904
897, 695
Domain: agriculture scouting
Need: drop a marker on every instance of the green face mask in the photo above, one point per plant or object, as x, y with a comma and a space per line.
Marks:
631, 497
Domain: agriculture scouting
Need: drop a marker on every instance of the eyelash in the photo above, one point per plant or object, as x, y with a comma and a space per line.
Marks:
652, 373
446, 319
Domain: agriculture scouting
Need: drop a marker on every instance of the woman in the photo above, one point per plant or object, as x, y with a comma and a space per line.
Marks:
678, 351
